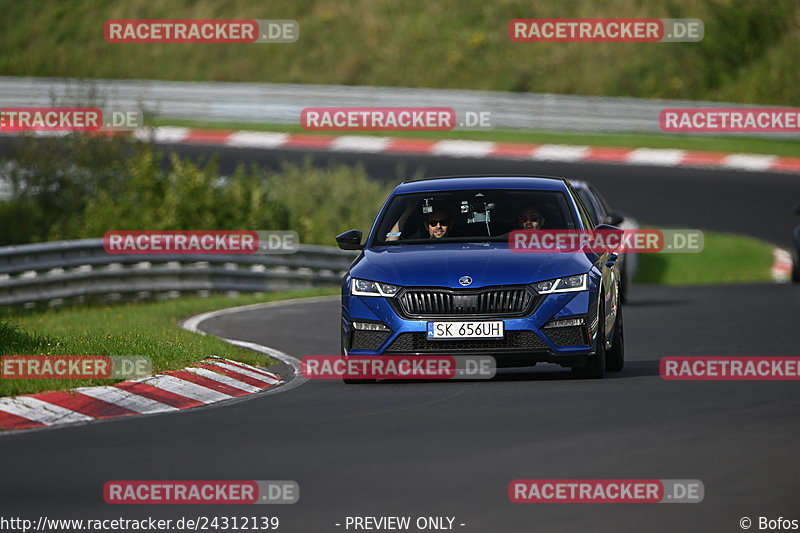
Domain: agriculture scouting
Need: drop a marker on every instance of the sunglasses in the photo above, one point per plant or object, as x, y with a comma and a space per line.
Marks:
530, 218
434, 223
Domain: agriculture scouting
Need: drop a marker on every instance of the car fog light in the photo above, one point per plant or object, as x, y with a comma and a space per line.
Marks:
369, 326
564, 323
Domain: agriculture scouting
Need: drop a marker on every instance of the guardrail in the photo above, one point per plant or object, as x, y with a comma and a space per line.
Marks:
54, 273
281, 103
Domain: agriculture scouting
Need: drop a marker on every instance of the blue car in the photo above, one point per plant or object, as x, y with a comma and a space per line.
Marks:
436, 276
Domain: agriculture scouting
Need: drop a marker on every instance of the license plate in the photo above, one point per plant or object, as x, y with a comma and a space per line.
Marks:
465, 330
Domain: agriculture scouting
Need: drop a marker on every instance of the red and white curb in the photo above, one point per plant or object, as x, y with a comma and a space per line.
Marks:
658, 157
213, 380
781, 265
475, 149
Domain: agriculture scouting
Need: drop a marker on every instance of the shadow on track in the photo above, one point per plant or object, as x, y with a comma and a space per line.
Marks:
542, 372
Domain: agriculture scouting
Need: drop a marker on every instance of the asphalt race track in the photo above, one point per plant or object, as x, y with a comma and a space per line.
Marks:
451, 448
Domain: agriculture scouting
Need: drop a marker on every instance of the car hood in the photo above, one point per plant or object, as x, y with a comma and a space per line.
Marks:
442, 265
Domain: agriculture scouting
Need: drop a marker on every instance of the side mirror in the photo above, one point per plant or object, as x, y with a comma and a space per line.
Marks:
606, 228
615, 218
350, 240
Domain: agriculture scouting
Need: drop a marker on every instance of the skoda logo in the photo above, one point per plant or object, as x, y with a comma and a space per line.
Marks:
465, 280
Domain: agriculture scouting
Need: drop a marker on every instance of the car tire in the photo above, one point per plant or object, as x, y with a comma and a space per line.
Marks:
595, 367
623, 287
615, 357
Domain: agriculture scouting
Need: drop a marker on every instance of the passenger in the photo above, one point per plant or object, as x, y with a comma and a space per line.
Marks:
530, 217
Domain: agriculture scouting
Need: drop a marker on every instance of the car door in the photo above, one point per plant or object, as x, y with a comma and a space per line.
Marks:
609, 275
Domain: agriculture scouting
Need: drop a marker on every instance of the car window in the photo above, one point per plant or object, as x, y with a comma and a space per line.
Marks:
602, 201
583, 212
584, 197
469, 216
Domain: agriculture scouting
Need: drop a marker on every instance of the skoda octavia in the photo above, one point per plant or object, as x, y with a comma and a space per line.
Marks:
437, 276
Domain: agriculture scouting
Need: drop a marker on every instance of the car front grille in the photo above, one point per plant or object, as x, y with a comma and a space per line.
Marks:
514, 340
505, 301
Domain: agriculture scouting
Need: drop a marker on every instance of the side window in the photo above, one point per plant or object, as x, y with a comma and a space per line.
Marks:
600, 199
602, 205
587, 215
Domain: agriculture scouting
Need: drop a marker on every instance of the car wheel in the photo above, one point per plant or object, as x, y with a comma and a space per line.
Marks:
615, 357
623, 287
595, 367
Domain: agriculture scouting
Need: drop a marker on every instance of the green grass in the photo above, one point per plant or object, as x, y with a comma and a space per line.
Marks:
725, 258
14, 340
630, 140
149, 329
749, 52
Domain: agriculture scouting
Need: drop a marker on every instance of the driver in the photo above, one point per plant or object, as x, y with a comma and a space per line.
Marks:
438, 223
395, 233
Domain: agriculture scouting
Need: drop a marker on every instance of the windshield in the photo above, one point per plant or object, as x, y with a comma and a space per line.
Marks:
470, 216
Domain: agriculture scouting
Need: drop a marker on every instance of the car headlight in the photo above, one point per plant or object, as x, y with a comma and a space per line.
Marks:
362, 287
568, 284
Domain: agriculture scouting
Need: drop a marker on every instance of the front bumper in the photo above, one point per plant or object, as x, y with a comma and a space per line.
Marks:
526, 339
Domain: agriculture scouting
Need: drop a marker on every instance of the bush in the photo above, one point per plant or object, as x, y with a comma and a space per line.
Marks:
319, 204
51, 180
79, 187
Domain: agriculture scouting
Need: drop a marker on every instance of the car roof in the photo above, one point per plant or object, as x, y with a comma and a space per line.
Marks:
505, 181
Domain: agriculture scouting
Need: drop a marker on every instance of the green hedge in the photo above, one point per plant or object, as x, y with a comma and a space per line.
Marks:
80, 187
